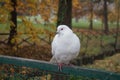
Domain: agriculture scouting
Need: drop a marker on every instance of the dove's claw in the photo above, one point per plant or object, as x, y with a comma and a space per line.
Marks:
60, 66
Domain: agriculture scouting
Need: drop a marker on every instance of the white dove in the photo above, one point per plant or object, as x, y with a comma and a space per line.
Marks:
65, 46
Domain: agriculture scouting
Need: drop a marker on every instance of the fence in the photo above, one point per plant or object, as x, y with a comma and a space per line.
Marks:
107, 45
47, 71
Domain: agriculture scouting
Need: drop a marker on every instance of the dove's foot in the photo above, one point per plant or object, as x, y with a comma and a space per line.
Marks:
60, 66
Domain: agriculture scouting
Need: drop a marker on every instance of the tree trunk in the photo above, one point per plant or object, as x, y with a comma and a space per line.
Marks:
91, 16
65, 12
106, 29
13, 28
117, 28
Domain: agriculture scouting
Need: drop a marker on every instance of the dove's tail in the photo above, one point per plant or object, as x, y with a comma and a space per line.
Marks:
53, 60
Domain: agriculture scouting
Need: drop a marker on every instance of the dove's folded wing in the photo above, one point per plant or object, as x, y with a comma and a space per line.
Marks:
53, 60
54, 45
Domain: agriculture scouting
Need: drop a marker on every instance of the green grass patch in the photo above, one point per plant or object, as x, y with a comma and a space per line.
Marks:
97, 24
82, 23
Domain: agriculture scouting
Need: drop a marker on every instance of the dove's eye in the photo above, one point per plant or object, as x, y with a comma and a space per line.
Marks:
61, 28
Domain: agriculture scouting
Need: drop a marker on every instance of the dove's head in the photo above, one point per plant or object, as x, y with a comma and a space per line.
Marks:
63, 29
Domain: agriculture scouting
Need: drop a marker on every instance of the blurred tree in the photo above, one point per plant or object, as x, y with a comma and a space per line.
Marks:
77, 11
46, 9
83, 8
106, 28
117, 2
13, 26
91, 14
65, 12
27, 7
5, 9
103, 11
89, 11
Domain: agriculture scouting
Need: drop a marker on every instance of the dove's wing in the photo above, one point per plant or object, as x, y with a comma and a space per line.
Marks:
54, 46
53, 60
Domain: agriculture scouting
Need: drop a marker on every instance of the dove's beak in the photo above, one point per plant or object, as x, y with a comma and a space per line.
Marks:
57, 32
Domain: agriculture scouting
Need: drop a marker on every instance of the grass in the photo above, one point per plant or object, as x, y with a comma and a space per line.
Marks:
97, 24
82, 23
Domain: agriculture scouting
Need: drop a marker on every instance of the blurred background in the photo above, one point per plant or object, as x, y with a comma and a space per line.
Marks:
27, 28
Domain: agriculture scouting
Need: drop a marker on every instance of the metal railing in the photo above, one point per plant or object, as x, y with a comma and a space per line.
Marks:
51, 71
